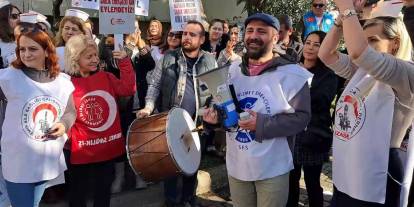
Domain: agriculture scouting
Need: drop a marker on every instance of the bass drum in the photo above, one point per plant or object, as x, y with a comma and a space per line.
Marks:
164, 145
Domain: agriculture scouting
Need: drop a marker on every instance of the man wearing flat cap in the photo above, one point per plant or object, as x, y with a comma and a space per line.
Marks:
275, 93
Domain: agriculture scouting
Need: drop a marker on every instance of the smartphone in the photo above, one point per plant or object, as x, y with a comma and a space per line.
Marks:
371, 2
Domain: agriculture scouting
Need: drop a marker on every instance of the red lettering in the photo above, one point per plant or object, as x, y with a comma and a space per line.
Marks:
344, 135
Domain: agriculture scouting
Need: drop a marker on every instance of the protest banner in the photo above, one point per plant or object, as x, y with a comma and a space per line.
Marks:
117, 17
141, 7
183, 11
86, 4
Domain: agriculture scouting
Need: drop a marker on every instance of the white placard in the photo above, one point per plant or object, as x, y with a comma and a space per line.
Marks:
384, 8
182, 11
86, 4
117, 16
141, 7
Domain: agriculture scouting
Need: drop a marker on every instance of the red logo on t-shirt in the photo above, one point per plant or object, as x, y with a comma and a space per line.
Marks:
93, 111
310, 19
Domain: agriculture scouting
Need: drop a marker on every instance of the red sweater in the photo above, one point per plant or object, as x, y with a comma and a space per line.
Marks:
96, 135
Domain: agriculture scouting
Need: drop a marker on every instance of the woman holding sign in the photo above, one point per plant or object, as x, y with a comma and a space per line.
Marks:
375, 109
96, 137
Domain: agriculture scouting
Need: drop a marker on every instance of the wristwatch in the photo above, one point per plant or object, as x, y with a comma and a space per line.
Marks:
348, 13
338, 21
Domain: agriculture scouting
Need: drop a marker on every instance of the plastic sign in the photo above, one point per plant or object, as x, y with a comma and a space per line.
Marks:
86, 4
141, 7
183, 11
116, 16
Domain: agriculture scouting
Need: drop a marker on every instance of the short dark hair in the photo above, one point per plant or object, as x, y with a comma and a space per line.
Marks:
232, 26
286, 21
215, 21
203, 31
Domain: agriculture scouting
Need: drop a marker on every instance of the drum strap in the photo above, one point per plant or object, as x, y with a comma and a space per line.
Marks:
182, 80
234, 97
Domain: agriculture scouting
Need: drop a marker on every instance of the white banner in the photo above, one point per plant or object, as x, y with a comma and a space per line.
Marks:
141, 7
87, 4
117, 17
182, 11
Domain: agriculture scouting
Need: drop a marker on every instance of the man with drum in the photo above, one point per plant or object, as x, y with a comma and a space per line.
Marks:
275, 93
173, 84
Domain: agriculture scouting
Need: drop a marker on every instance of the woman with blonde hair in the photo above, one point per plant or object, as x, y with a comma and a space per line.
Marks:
374, 111
39, 111
96, 137
154, 37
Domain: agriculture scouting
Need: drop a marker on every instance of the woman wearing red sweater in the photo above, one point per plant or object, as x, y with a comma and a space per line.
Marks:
96, 135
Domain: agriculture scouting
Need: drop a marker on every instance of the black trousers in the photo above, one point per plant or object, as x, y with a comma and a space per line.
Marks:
175, 194
313, 185
101, 174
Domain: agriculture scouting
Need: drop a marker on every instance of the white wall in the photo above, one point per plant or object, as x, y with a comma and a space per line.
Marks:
223, 9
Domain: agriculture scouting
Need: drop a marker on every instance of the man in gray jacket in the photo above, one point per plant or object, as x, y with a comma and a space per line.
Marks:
173, 84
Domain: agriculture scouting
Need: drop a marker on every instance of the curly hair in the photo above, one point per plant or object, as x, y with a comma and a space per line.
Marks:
74, 20
73, 50
43, 39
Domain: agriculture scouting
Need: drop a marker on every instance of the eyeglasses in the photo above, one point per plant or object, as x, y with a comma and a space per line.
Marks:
177, 35
319, 6
15, 16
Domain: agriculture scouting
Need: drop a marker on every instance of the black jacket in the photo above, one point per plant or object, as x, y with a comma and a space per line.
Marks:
409, 22
206, 46
142, 65
318, 134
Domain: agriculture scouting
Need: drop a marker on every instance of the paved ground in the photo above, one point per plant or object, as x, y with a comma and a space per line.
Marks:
212, 192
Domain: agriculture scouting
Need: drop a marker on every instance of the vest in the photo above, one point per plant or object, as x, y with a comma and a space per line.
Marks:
32, 109
362, 134
268, 93
311, 24
174, 67
96, 135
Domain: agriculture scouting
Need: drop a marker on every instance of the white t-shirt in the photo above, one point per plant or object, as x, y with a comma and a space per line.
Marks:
319, 20
156, 53
8, 53
269, 94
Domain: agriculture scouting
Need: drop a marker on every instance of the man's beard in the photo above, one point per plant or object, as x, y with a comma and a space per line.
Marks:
190, 48
255, 54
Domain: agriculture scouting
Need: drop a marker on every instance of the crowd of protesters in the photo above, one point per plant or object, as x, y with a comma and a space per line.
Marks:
306, 100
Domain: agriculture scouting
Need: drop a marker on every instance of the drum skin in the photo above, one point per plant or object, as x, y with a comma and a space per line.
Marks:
147, 149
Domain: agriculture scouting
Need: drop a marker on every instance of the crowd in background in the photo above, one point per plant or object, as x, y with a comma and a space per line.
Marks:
61, 69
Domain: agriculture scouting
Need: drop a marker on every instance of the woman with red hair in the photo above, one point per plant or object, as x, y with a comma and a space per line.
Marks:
39, 111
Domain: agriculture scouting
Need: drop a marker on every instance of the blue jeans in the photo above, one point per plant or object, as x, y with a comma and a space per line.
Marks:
25, 194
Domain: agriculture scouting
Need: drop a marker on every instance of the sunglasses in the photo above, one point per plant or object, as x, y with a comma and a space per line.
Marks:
318, 5
15, 16
28, 28
177, 35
